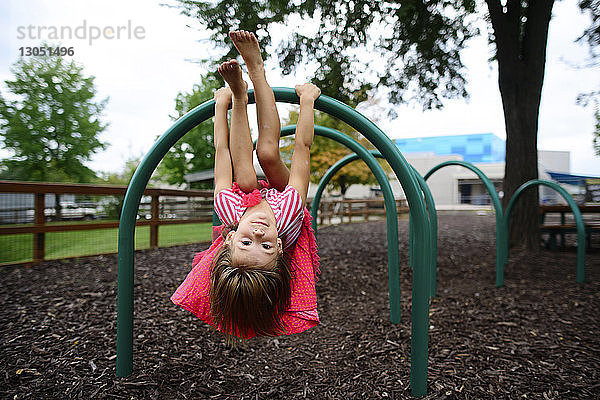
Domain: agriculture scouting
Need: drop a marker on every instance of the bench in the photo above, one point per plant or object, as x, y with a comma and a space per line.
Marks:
555, 230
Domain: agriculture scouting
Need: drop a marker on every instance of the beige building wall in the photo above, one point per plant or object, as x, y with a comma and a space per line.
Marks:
444, 183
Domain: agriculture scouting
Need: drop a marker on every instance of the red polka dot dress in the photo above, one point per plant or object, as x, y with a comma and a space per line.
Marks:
294, 228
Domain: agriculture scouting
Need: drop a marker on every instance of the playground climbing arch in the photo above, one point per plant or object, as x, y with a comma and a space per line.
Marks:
420, 228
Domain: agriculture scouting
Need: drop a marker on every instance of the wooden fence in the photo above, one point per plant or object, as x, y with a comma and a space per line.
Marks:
348, 208
158, 207
160, 212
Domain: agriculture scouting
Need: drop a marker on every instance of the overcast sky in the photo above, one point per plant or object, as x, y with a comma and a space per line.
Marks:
144, 69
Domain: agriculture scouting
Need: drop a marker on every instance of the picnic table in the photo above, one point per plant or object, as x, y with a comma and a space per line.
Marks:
555, 229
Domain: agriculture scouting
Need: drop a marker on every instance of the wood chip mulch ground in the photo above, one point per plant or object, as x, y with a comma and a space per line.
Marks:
538, 337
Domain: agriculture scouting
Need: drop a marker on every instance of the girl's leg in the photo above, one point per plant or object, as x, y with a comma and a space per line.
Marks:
240, 141
269, 128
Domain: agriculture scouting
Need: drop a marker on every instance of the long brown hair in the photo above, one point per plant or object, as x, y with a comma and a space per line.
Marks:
248, 300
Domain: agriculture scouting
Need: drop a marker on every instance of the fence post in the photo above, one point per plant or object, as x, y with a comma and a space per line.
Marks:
349, 204
39, 237
321, 212
154, 222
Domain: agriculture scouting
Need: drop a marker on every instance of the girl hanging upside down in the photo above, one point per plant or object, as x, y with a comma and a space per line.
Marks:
258, 277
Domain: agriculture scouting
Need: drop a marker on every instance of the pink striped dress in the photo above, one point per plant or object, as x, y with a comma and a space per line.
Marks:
294, 228
230, 205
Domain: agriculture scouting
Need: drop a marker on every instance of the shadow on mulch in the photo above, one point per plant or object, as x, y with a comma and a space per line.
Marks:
537, 337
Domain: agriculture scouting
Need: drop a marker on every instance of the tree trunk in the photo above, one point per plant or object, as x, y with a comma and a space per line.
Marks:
521, 36
342, 183
521, 163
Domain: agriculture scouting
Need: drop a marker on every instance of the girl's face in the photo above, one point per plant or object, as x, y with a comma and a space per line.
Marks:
255, 242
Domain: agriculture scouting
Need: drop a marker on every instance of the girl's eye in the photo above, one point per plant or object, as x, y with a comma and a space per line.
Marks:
266, 246
246, 242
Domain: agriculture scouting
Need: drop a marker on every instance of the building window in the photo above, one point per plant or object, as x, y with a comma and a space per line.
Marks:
464, 190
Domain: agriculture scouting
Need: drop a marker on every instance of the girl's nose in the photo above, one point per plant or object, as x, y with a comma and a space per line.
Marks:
259, 232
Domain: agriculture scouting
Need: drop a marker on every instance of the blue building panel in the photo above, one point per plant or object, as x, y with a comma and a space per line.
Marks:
478, 148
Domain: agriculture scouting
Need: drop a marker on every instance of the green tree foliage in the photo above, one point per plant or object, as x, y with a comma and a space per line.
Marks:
410, 47
124, 176
592, 33
114, 204
597, 132
50, 121
592, 36
195, 151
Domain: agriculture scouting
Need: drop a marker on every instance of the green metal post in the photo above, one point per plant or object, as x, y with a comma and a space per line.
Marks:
432, 213
125, 260
411, 240
576, 213
215, 219
500, 226
420, 289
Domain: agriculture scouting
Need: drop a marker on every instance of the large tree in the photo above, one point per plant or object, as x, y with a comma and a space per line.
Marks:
50, 121
412, 49
195, 151
520, 35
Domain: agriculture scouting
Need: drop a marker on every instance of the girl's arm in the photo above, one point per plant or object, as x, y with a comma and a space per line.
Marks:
223, 168
305, 129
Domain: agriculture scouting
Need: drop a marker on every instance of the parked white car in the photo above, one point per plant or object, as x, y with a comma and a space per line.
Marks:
69, 211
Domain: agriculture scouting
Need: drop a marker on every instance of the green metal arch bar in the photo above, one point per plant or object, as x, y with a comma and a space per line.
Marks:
432, 213
576, 213
420, 284
500, 226
420, 291
390, 204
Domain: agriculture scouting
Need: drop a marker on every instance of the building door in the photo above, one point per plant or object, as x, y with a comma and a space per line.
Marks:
465, 193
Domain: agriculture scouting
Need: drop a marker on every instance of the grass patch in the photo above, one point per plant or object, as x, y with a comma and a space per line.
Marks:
19, 248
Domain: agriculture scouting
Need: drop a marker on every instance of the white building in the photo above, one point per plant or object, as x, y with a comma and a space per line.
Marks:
456, 187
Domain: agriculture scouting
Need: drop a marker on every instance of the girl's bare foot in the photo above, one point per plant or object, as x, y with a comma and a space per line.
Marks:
308, 91
223, 97
232, 73
247, 45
